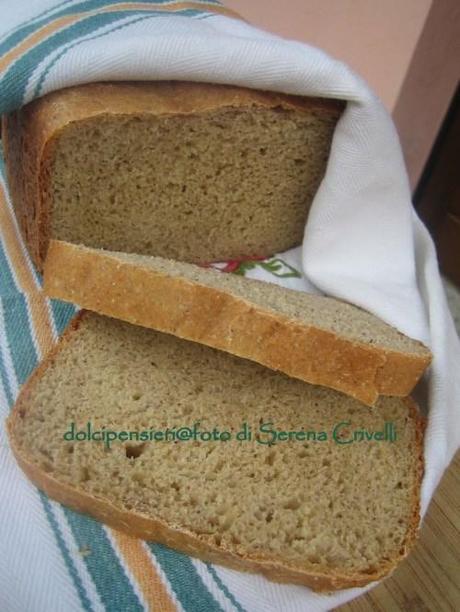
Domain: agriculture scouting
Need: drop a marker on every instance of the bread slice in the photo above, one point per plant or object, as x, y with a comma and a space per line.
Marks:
316, 339
191, 171
318, 513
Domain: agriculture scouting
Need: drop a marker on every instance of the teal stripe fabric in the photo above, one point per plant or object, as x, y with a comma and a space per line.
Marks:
68, 8
14, 81
4, 380
184, 580
107, 573
122, 15
18, 333
20, 34
16, 75
223, 588
7, 284
62, 314
35, 18
85, 602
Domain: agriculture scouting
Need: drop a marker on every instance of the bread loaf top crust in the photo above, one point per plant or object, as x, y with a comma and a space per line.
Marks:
159, 98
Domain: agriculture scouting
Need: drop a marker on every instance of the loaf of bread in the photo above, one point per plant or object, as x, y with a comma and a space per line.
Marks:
190, 171
317, 339
320, 491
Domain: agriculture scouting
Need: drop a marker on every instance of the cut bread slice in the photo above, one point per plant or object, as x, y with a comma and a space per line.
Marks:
320, 340
304, 509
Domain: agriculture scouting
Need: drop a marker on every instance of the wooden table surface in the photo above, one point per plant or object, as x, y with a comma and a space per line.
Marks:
429, 579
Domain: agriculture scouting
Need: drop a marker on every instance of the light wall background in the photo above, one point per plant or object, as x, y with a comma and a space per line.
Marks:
407, 50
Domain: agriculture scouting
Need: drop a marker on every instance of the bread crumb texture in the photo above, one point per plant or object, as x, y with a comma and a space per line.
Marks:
326, 313
321, 505
209, 186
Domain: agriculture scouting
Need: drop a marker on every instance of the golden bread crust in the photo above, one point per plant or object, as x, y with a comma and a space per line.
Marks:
217, 318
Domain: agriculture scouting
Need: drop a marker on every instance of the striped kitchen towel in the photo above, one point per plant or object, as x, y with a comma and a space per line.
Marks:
363, 243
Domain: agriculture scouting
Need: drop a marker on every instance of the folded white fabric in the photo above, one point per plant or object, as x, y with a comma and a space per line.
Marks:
363, 241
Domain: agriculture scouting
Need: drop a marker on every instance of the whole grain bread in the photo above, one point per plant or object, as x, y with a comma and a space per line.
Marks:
322, 513
191, 171
318, 339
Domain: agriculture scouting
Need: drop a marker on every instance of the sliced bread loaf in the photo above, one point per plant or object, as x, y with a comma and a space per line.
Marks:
191, 171
317, 339
323, 512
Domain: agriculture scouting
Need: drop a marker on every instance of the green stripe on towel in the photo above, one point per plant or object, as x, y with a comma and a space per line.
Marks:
63, 312
108, 575
184, 580
18, 333
65, 554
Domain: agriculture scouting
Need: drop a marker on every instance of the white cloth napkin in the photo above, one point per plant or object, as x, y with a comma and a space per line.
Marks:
363, 241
